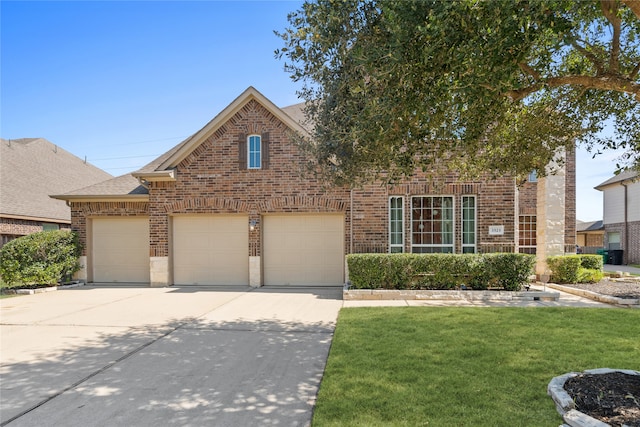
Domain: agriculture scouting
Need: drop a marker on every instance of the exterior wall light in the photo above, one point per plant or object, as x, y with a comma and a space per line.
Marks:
253, 223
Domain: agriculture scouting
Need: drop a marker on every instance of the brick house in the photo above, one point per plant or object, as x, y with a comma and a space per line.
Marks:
229, 206
30, 170
621, 199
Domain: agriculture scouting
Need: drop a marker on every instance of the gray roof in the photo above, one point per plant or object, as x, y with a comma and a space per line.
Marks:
622, 176
296, 112
121, 185
589, 226
33, 168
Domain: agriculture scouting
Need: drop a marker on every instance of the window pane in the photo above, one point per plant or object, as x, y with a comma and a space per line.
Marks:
432, 224
254, 152
396, 232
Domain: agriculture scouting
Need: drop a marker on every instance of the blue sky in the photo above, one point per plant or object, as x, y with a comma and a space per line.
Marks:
122, 82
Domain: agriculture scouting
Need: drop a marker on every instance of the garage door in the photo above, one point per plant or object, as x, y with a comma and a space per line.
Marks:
211, 250
120, 250
303, 250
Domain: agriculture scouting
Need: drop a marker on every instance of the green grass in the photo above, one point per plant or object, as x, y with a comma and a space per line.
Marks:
465, 366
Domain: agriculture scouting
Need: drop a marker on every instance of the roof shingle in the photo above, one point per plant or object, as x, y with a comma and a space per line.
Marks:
33, 168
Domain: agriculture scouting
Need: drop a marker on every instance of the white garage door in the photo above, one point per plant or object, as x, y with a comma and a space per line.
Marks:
303, 250
211, 250
120, 250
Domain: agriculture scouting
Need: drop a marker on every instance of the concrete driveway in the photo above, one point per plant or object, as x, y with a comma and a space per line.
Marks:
164, 356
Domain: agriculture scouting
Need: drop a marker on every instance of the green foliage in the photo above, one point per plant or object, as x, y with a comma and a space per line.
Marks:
564, 268
576, 268
589, 275
439, 271
392, 86
592, 262
460, 366
40, 258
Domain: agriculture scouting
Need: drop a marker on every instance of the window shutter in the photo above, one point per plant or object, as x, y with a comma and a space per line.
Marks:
242, 151
265, 150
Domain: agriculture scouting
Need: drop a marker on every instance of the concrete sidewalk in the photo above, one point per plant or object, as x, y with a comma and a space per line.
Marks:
624, 268
164, 356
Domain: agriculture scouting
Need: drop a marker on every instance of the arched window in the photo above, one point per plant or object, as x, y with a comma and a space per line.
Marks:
254, 152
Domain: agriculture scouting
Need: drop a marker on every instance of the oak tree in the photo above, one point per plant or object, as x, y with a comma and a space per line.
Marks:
492, 86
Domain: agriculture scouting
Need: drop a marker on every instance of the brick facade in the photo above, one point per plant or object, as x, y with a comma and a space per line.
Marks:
631, 253
212, 178
12, 228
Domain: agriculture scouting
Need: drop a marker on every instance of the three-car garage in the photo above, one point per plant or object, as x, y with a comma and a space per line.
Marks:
296, 249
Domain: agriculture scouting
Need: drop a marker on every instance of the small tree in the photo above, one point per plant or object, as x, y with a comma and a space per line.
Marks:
40, 258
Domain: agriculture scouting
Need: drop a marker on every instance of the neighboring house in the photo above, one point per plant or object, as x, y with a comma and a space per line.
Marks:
229, 206
30, 170
621, 198
590, 236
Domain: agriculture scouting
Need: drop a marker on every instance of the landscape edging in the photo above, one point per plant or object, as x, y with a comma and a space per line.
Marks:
594, 295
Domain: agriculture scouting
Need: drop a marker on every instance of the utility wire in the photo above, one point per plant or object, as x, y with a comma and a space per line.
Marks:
126, 157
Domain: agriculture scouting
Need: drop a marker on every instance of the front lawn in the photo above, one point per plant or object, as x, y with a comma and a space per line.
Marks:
452, 366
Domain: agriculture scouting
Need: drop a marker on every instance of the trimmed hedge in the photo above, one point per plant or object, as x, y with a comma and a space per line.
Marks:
576, 268
439, 271
43, 258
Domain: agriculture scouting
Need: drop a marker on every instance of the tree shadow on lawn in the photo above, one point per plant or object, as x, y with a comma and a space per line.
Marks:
189, 371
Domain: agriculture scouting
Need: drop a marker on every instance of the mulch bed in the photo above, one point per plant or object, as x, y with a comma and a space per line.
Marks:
613, 398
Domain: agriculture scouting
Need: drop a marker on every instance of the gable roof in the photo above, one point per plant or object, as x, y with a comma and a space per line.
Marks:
163, 168
628, 175
33, 168
582, 226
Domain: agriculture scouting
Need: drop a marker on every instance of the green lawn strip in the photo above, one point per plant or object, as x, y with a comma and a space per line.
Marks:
450, 366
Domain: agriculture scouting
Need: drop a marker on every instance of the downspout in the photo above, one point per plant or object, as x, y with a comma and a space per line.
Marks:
626, 223
351, 221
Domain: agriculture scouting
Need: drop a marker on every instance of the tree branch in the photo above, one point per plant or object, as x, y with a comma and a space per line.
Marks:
589, 55
612, 83
634, 5
610, 11
634, 73
529, 70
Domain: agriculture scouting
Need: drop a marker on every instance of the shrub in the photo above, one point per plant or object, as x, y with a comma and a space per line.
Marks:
589, 275
40, 258
509, 270
564, 268
591, 262
576, 268
439, 271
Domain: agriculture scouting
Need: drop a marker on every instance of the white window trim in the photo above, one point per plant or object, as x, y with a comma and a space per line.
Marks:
391, 245
249, 151
475, 223
453, 220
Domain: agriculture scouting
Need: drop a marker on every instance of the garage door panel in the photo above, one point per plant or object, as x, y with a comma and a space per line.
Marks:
211, 250
120, 250
304, 250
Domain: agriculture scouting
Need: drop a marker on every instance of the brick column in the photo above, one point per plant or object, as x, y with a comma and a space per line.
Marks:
550, 217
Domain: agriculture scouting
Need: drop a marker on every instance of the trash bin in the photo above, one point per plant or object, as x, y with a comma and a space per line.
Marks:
615, 256
605, 255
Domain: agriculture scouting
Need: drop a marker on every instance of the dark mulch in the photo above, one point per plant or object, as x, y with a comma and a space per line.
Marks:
613, 398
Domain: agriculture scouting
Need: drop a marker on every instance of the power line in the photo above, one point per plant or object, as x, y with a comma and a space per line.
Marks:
125, 157
147, 140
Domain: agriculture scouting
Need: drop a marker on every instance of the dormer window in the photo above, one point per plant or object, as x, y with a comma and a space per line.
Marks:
254, 153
